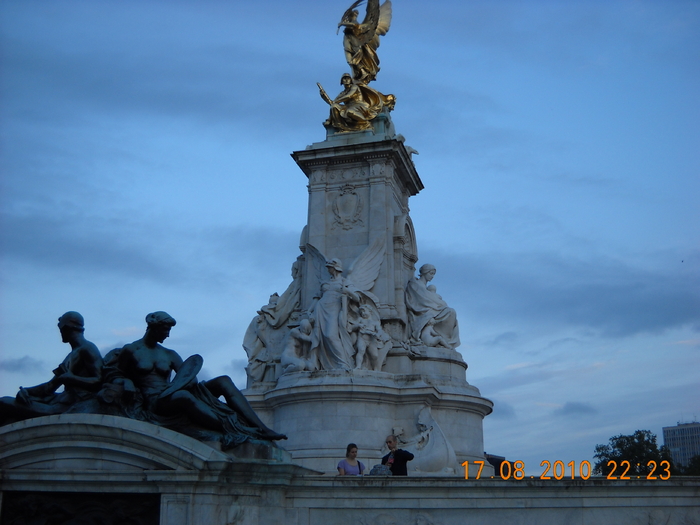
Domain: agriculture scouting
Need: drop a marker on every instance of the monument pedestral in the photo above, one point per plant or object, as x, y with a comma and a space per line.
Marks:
322, 411
359, 188
90, 468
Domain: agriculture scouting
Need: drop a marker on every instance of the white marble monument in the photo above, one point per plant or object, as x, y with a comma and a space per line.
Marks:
359, 346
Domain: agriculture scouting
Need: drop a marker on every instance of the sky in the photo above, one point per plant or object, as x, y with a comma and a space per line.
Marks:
145, 159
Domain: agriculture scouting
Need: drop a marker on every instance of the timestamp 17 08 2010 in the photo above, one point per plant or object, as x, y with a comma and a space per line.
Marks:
558, 470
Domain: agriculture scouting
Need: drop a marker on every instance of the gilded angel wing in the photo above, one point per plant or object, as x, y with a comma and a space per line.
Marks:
347, 16
376, 22
384, 18
365, 269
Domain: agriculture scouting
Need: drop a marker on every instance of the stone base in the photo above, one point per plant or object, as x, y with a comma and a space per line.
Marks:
102, 469
72, 468
323, 411
97, 442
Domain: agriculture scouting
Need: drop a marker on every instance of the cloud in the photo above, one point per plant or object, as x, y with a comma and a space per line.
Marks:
518, 366
560, 35
130, 332
205, 374
503, 339
81, 243
24, 364
520, 376
236, 369
575, 409
502, 410
613, 298
687, 342
96, 245
128, 61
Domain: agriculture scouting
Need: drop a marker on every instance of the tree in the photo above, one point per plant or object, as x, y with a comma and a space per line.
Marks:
693, 467
639, 449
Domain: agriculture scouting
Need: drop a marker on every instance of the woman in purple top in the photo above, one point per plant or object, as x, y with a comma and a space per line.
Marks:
350, 466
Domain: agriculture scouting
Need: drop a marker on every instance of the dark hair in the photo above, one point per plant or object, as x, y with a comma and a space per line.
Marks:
72, 320
159, 319
350, 447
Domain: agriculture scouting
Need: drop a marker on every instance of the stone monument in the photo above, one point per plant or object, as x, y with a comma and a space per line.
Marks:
358, 347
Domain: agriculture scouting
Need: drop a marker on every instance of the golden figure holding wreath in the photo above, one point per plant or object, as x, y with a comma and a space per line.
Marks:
358, 104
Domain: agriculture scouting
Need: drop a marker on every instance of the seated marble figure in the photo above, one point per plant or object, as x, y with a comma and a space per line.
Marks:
431, 321
79, 374
184, 401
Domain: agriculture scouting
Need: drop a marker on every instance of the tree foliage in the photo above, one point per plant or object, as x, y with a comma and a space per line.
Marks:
693, 467
639, 449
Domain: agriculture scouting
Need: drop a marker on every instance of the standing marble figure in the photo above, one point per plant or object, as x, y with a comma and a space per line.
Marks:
330, 340
336, 305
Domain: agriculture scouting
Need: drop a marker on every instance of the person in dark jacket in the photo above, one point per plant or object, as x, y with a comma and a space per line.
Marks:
397, 458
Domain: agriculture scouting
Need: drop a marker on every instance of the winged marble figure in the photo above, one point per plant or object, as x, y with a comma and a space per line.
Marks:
337, 305
361, 40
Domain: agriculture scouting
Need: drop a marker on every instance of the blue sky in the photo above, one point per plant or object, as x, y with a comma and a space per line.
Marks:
145, 166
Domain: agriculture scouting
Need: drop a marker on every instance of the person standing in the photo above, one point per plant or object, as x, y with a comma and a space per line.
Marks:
397, 458
350, 466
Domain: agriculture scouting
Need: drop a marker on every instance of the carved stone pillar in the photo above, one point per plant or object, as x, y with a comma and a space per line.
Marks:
358, 192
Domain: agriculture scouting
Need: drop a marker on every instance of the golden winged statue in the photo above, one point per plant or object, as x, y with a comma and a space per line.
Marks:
358, 104
361, 40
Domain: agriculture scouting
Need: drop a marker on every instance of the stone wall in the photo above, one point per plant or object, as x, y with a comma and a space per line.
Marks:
45, 458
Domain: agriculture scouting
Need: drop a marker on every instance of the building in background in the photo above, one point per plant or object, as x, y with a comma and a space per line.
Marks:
683, 441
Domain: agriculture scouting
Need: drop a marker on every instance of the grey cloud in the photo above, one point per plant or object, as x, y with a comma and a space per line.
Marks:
514, 378
146, 67
613, 298
502, 410
80, 244
562, 341
236, 369
97, 245
204, 337
185, 86
22, 365
559, 34
205, 374
238, 364
503, 339
265, 250
575, 409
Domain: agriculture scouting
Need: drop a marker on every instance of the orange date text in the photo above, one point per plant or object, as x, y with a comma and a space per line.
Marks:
559, 470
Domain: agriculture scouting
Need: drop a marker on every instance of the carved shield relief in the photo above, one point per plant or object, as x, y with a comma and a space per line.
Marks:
347, 208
